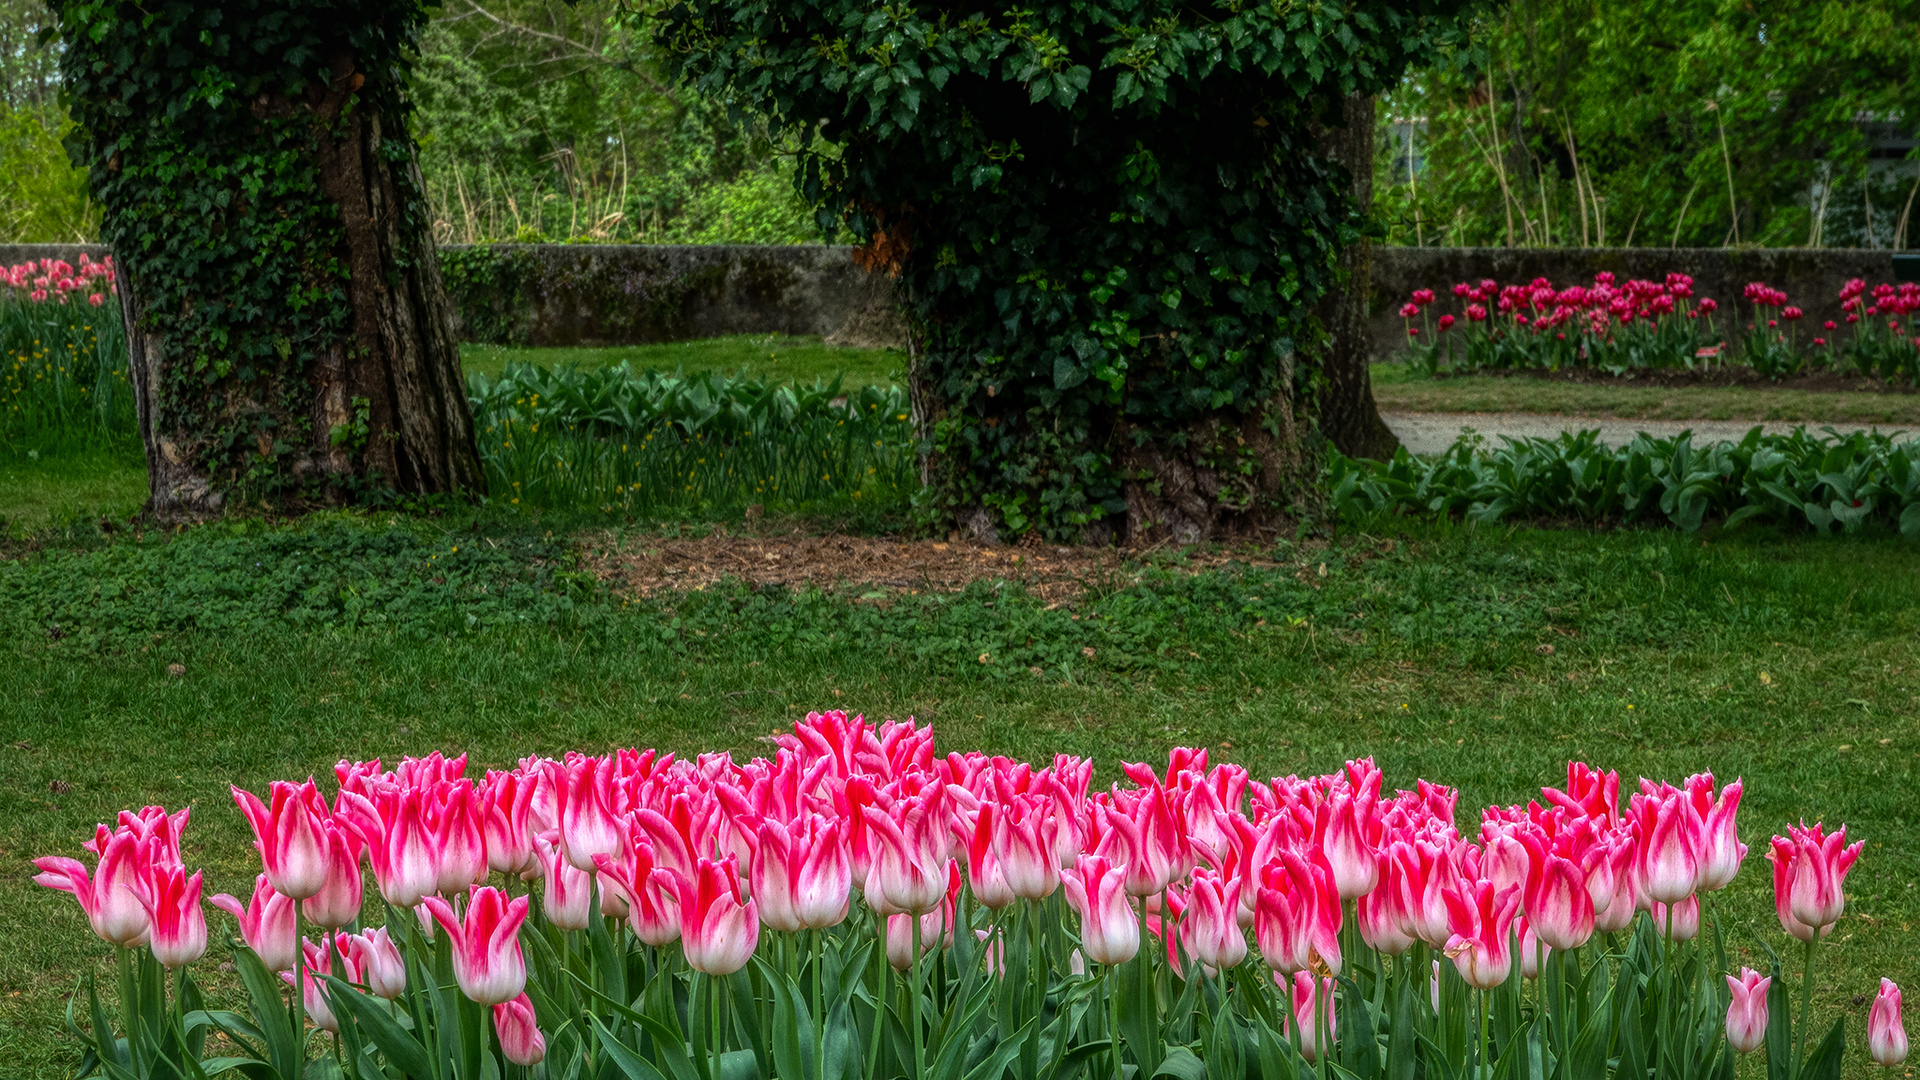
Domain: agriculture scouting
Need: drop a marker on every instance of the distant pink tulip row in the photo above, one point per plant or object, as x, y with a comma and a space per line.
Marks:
708, 852
54, 280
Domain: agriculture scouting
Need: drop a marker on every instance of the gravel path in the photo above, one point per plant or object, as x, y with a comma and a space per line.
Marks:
1432, 433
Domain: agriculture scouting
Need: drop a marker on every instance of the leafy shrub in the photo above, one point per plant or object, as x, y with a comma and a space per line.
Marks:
650, 444
1794, 480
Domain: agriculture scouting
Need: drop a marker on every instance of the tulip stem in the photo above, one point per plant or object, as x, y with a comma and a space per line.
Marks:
819, 1003
913, 1005
300, 982
880, 984
1806, 1007
1113, 1015
719, 1006
129, 992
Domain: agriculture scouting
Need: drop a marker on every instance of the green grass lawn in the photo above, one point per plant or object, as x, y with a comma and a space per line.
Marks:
39, 490
780, 356
1794, 663
1398, 387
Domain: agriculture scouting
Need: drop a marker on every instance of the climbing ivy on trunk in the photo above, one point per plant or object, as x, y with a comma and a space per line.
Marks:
1111, 219
290, 338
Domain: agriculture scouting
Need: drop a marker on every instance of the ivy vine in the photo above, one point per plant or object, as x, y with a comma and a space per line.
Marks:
1110, 216
201, 127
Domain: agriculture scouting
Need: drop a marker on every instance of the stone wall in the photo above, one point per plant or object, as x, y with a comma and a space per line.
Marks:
1811, 277
633, 294
626, 294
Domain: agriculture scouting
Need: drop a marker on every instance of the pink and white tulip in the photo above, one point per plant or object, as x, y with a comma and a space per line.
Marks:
287, 833
1886, 1032
1097, 891
519, 1032
718, 930
1747, 1015
486, 946
267, 924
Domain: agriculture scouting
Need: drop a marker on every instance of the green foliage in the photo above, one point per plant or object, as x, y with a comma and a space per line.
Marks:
45, 197
691, 446
1797, 481
546, 121
1699, 123
330, 573
203, 130
1109, 216
487, 285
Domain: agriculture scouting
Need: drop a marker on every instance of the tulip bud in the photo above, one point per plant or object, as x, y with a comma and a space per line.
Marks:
520, 1040
1747, 1015
377, 961
318, 961
1886, 1033
1313, 1002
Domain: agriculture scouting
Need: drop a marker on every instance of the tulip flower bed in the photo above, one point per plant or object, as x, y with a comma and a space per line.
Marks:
1798, 480
652, 444
1640, 325
860, 905
62, 355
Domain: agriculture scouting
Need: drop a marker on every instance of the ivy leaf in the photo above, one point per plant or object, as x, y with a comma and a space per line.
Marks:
1067, 374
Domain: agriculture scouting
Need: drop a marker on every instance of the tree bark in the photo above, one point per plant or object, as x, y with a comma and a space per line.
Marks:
382, 409
1349, 418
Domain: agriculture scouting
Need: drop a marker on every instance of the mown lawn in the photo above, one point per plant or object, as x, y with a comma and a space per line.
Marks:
779, 356
1483, 658
41, 489
1398, 387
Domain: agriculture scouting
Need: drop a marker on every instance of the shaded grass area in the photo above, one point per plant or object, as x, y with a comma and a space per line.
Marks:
1791, 662
39, 489
1399, 388
779, 356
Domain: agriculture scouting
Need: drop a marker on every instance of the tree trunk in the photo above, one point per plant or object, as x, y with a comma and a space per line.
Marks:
1223, 480
1348, 416
290, 341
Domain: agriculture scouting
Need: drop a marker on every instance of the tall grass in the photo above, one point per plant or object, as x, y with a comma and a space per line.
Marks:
704, 445
63, 375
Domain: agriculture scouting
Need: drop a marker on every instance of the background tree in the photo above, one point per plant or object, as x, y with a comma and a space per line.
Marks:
289, 338
1693, 122
1348, 414
548, 120
1110, 219
44, 197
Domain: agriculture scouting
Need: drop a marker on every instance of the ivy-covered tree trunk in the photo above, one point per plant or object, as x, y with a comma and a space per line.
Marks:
290, 340
1113, 223
1348, 415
